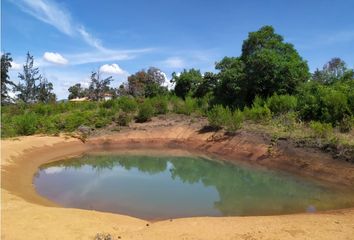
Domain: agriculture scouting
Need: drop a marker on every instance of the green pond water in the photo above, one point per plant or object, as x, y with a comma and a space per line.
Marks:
156, 187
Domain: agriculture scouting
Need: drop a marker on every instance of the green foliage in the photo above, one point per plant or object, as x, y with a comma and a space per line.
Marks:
235, 121
322, 103
160, 104
218, 116
279, 104
258, 113
146, 112
127, 104
347, 124
187, 82
25, 124
109, 103
271, 65
6, 60
321, 130
123, 118
230, 89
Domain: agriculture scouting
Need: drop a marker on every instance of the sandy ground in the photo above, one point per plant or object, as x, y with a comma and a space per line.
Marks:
25, 215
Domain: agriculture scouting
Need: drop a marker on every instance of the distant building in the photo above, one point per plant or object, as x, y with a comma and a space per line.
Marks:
107, 96
79, 99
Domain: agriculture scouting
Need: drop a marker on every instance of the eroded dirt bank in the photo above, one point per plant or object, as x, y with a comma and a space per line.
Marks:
25, 215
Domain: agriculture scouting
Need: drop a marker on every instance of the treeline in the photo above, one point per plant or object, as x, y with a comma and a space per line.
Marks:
32, 86
268, 82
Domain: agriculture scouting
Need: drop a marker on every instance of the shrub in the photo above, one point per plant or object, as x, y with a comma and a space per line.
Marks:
287, 120
123, 118
160, 104
218, 116
127, 104
108, 104
322, 130
73, 120
258, 113
146, 112
282, 103
42, 109
234, 120
322, 103
346, 125
190, 106
25, 124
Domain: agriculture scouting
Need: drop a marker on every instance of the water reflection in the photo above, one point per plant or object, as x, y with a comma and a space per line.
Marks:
240, 190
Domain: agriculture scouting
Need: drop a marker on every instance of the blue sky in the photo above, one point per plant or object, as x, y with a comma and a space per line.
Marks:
69, 39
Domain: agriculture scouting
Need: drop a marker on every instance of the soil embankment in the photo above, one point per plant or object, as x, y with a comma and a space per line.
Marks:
26, 215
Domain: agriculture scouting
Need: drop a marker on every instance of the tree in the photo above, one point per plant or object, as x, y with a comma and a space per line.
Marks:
122, 90
271, 65
5, 78
207, 85
334, 70
28, 86
45, 94
153, 86
231, 88
76, 91
146, 83
187, 82
98, 87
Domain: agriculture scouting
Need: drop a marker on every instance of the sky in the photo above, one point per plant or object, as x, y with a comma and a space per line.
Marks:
70, 39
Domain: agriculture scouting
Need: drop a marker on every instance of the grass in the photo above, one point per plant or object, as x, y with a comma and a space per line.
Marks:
282, 122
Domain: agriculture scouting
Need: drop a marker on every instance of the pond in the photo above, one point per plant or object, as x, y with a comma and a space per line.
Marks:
163, 187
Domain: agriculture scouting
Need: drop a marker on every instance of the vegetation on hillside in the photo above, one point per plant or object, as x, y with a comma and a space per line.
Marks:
269, 84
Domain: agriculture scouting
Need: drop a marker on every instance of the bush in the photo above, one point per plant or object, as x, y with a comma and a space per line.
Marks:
346, 125
123, 118
218, 116
190, 106
127, 104
234, 120
73, 121
146, 112
108, 104
282, 103
322, 103
25, 124
258, 113
160, 104
322, 130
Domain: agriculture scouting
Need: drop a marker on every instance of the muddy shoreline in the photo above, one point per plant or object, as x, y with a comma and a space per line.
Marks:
22, 207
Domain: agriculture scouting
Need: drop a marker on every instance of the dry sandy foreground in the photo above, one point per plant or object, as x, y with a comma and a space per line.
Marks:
26, 215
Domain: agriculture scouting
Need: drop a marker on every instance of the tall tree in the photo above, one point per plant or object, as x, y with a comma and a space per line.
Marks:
271, 65
45, 91
76, 91
29, 81
231, 87
186, 82
146, 83
332, 71
5, 78
98, 86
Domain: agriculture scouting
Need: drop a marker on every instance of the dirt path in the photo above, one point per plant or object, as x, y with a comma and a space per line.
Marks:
25, 215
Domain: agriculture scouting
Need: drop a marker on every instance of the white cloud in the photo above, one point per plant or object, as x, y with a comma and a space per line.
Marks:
105, 56
55, 58
174, 62
15, 66
167, 82
53, 14
48, 12
89, 39
112, 69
